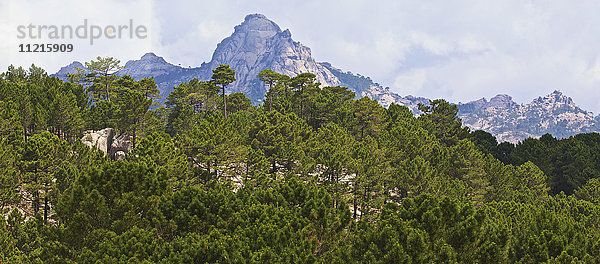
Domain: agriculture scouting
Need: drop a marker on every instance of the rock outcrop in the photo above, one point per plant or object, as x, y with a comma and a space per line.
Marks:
116, 146
121, 145
101, 139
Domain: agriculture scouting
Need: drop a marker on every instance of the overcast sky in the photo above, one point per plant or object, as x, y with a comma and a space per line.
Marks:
458, 50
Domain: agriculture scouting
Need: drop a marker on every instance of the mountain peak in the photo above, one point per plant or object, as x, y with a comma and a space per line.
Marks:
255, 16
75, 64
257, 44
557, 94
149, 55
502, 101
148, 65
152, 58
258, 22
501, 98
555, 98
71, 68
286, 34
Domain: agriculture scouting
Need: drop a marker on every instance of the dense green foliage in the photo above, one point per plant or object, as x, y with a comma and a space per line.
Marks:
568, 163
312, 175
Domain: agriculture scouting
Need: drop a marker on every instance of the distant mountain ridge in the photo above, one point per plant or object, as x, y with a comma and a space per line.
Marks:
165, 74
258, 43
71, 68
554, 113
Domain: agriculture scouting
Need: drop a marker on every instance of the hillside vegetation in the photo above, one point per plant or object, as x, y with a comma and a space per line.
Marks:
311, 175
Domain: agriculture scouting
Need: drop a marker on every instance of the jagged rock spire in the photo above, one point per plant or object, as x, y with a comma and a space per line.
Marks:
257, 44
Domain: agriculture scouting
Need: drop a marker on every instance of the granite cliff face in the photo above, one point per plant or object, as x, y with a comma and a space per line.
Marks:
257, 44
555, 113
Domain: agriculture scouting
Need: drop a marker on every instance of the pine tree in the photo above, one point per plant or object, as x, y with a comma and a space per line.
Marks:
102, 74
223, 76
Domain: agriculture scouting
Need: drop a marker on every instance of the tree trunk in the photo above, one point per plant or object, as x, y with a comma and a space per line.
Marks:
35, 202
224, 103
247, 173
107, 95
301, 108
365, 203
355, 194
270, 98
216, 170
208, 162
46, 207
133, 139
362, 132
336, 191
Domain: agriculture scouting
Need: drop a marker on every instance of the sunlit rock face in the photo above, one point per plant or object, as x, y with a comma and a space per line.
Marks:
257, 44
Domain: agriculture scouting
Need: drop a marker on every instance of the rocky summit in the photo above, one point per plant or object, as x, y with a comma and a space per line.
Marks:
555, 113
165, 74
71, 68
149, 65
259, 43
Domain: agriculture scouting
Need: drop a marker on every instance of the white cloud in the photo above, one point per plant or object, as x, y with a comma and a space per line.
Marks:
74, 13
5, 30
411, 82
